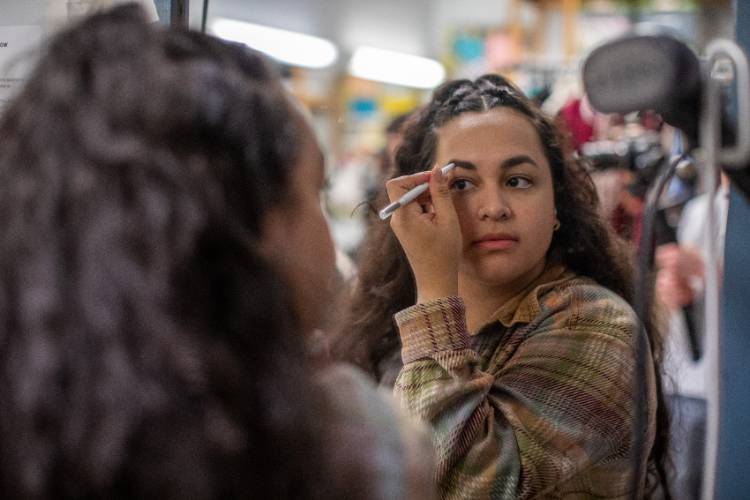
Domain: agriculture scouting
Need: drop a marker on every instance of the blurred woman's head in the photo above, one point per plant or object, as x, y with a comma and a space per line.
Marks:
295, 237
149, 302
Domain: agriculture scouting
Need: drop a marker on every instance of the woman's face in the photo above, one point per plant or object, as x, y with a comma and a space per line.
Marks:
296, 237
503, 195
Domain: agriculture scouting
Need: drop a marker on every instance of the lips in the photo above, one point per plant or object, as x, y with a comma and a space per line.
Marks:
496, 241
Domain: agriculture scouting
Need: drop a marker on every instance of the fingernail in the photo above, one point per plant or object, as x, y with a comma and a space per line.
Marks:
438, 172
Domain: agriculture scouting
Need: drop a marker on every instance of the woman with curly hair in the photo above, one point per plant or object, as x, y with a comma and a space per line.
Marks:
513, 333
163, 253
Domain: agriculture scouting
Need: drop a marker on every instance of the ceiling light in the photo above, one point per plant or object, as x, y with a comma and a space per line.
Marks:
397, 68
288, 47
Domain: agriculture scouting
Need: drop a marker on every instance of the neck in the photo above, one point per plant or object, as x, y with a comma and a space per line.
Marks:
482, 299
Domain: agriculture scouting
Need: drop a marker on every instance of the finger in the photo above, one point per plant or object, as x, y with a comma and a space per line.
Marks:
666, 254
440, 192
692, 262
681, 296
668, 261
670, 292
399, 186
666, 248
425, 198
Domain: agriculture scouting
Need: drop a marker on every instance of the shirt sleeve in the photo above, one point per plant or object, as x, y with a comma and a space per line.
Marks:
558, 404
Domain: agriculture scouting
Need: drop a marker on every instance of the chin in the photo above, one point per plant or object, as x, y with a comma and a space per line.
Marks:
497, 277
501, 271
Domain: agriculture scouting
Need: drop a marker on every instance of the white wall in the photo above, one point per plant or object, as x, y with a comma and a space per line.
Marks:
402, 25
305, 16
412, 26
22, 12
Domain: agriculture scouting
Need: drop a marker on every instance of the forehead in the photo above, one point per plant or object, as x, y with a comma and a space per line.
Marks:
499, 131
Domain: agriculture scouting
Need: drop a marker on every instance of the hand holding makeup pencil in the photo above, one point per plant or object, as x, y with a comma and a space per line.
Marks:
431, 238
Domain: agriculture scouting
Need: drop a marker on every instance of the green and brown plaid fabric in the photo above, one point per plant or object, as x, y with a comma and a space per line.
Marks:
536, 404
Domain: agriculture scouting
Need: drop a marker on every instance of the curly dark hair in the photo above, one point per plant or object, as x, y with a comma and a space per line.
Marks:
366, 334
147, 348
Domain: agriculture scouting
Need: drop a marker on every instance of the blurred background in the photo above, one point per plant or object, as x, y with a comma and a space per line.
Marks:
360, 66
365, 64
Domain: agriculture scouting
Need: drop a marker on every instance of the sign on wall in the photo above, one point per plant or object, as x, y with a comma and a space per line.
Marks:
18, 49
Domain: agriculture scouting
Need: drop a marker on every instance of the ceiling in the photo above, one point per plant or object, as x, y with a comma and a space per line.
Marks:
411, 26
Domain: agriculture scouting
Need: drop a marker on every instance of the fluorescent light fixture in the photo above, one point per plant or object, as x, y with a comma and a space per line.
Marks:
291, 48
396, 67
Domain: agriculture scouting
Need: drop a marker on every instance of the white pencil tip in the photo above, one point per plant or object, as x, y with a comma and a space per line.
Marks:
388, 211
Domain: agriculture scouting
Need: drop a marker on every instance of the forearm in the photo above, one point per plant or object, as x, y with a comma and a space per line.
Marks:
531, 420
441, 383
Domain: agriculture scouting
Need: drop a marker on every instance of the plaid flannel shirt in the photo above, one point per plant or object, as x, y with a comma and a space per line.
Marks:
538, 403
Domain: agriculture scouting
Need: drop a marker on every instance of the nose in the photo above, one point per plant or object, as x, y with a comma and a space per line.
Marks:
493, 205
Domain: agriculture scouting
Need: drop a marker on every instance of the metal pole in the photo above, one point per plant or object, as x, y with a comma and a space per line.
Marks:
714, 156
178, 13
204, 18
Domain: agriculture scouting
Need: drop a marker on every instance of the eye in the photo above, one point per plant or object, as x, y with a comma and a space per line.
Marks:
462, 185
519, 182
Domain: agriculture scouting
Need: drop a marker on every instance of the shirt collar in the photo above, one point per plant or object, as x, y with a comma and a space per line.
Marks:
524, 306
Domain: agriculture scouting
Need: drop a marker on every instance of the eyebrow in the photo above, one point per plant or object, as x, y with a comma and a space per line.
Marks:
511, 162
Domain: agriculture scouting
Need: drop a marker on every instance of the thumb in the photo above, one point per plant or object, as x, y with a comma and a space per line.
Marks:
440, 192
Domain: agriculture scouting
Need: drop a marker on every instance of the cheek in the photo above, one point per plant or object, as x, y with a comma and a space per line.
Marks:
540, 214
310, 268
314, 247
325, 251
539, 218
464, 213
298, 242
541, 225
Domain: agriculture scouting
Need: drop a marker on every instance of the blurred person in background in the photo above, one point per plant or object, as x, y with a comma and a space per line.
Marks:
627, 218
386, 157
680, 288
354, 185
394, 136
163, 256
513, 333
577, 118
